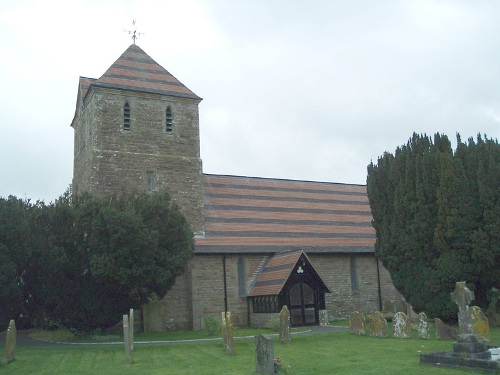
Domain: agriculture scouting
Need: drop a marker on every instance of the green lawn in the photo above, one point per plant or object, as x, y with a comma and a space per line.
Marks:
329, 353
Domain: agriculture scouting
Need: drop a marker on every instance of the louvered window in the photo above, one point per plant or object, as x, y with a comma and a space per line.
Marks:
169, 121
126, 116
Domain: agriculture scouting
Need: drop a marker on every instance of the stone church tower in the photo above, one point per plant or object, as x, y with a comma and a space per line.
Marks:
137, 130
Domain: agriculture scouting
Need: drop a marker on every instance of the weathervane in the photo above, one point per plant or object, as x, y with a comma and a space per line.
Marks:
134, 32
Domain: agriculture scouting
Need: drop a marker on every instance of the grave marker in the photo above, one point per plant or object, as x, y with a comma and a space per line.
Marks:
131, 329
126, 339
357, 323
229, 333
444, 331
422, 326
10, 342
401, 326
378, 325
284, 334
462, 296
264, 355
479, 324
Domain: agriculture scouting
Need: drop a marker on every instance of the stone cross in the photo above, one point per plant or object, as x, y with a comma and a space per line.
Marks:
284, 334
10, 342
264, 355
462, 296
126, 340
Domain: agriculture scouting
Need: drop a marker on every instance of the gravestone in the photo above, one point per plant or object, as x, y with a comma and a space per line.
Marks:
401, 328
357, 323
264, 355
422, 326
284, 334
462, 296
126, 339
479, 324
444, 331
229, 333
323, 317
378, 325
131, 329
10, 342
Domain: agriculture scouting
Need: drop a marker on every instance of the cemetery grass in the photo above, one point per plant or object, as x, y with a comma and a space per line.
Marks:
326, 353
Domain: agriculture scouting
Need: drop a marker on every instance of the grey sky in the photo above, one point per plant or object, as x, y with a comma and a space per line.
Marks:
308, 90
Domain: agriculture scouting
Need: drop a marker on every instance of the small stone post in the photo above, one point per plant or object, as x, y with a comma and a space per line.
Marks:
126, 339
10, 342
131, 329
229, 333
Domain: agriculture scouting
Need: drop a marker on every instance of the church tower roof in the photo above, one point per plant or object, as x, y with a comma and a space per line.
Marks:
135, 70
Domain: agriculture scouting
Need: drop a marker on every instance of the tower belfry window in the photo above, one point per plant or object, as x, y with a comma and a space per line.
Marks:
168, 120
126, 116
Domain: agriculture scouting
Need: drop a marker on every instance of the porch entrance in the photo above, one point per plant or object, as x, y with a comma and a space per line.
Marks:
303, 305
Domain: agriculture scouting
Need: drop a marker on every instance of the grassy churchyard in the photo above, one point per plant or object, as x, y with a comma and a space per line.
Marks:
324, 353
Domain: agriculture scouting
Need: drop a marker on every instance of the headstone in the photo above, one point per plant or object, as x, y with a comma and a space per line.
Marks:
10, 342
284, 334
462, 296
126, 339
323, 317
422, 326
401, 326
229, 333
357, 323
444, 331
479, 324
378, 325
264, 355
131, 329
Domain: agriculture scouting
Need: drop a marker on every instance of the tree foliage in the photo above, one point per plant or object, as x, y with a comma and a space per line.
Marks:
83, 262
436, 213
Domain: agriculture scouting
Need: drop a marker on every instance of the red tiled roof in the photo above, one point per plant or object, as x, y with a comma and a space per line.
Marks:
259, 215
135, 70
273, 276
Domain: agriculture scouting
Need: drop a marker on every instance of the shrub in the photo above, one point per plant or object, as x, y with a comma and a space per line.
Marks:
212, 325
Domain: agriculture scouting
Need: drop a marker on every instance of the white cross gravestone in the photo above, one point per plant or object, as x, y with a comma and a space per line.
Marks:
462, 296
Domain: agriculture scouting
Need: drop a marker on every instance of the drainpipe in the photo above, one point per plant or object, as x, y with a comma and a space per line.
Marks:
379, 288
225, 283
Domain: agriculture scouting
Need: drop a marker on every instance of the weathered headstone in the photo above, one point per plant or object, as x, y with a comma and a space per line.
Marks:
479, 324
401, 326
357, 323
444, 331
131, 329
378, 325
284, 333
10, 342
462, 296
229, 333
422, 326
264, 355
126, 339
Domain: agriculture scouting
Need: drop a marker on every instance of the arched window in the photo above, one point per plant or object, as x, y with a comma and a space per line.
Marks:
169, 121
126, 116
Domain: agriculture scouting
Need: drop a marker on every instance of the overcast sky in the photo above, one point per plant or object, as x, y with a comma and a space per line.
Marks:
306, 90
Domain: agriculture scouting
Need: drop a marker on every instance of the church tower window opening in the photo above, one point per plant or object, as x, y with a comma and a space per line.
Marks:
169, 120
126, 116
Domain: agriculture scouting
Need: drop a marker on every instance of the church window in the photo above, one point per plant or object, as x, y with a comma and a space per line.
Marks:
150, 181
242, 288
126, 116
354, 274
169, 120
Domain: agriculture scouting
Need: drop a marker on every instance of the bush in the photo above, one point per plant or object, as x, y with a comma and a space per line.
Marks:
273, 324
212, 325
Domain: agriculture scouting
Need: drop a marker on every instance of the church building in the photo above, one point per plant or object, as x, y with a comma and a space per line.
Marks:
260, 243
